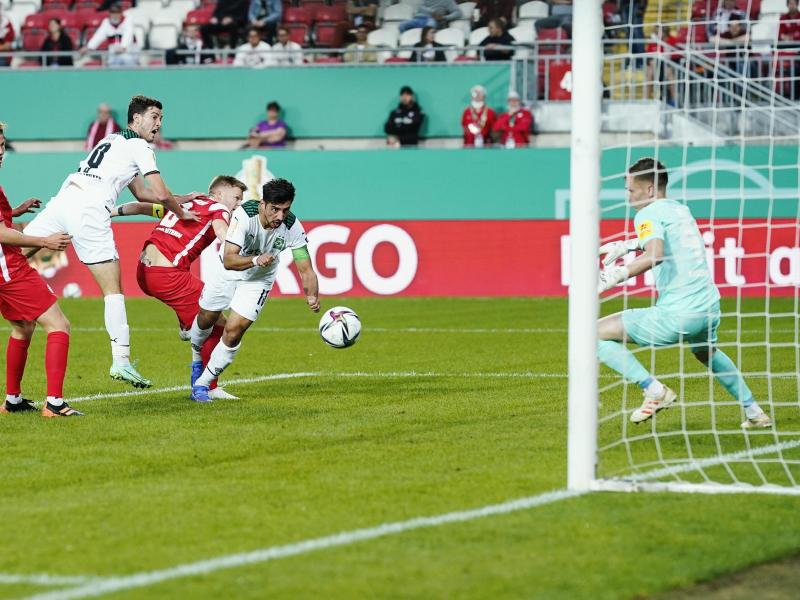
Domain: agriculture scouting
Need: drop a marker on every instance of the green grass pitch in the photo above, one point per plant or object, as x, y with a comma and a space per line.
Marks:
443, 405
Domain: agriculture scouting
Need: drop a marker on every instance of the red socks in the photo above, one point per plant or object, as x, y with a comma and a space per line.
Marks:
16, 356
208, 347
55, 362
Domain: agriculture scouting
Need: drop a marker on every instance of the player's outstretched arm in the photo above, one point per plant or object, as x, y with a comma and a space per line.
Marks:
148, 209
29, 206
233, 261
309, 279
653, 254
158, 193
12, 237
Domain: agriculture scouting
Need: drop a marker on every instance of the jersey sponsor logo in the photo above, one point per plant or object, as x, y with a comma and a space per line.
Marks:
644, 230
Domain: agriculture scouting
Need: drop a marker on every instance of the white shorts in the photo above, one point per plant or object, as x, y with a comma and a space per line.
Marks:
246, 298
82, 216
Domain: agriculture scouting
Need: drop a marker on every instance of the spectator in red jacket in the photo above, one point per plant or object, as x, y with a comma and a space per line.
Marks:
478, 120
6, 37
789, 32
513, 128
102, 126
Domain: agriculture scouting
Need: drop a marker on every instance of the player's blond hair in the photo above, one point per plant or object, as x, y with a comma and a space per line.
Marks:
227, 181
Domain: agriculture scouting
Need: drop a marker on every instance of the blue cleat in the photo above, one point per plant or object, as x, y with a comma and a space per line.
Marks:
197, 370
200, 393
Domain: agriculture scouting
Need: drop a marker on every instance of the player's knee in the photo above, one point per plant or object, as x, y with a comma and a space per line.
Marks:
23, 330
231, 338
702, 354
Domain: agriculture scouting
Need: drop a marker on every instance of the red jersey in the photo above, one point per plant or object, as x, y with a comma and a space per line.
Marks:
790, 27
477, 121
11, 257
516, 127
183, 241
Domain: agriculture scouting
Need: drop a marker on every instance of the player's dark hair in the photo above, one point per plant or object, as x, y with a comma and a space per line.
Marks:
274, 106
140, 104
226, 181
277, 191
651, 171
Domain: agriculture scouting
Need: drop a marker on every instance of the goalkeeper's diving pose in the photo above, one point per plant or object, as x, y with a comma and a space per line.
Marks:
688, 301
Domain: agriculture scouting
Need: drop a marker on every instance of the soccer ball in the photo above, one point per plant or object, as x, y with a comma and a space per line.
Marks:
72, 290
340, 327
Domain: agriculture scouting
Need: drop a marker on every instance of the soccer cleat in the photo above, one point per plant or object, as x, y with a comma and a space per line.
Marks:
761, 421
130, 374
197, 370
652, 405
220, 394
65, 410
200, 394
20, 407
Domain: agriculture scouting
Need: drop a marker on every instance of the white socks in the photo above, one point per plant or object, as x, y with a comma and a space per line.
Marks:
221, 357
752, 411
117, 327
198, 337
55, 401
655, 389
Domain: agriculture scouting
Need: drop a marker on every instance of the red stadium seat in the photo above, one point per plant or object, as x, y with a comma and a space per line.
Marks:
32, 39
298, 15
92, 18
465, 58
397, 59
81, 5
36, 21
200, 16
30, 64
331, 14
299, 32
330, 35
330, 59
56, 5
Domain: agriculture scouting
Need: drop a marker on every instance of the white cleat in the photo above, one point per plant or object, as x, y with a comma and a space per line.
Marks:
221, 394
184, 334
761, 421
652, 405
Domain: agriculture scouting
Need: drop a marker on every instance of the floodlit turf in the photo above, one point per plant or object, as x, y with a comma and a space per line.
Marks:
467, 410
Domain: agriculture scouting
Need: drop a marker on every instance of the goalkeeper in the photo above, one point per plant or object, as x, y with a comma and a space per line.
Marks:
688, 301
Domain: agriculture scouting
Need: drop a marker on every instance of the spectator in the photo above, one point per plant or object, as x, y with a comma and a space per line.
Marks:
662, 37
428, 47
725, 13
229, 18
513, 128
494, 9
266, 15
7, 37
362, 12
736, 35
57, 41
254, 53
115, 32
192, 41
285, 51
102, 126
498, 36
433, 13
478, 120
270, 133
404, 122
788, 34
361, 51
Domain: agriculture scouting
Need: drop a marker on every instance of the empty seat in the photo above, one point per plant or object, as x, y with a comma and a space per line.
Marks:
331, 14
534, 10
383, 37
467, 8
408, 39
200, 16
475, 39
163, 37
450, 37
297, 15
397, 13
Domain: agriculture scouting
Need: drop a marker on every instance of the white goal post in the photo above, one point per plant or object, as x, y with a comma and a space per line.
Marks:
723, 120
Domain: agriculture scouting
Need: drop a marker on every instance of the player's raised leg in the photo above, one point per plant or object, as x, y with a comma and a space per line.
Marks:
222, 356
725, 371
612, 352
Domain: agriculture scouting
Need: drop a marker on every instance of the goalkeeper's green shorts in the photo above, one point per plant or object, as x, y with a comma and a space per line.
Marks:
656, 326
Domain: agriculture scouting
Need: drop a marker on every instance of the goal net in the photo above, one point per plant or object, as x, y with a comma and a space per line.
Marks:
712, 97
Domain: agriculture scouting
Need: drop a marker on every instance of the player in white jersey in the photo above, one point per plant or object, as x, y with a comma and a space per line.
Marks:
258, 232
83, 207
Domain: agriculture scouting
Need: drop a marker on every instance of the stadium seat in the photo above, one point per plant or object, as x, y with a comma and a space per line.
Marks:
396, 14
467, 9
91, 20
383, 38
397, 59
475, 39
181, 7
764, 33
163, 36
408, 38
462, 24
330, 35
465, 58
773, 7
534, 10
149, 7
18, 12
297, 15
328, 59
523, 34
450, 37
73, 27
87, 4
331, 14
754, 6
56, 5
32, 39
548, 39
200, 16
300, 33
139, 18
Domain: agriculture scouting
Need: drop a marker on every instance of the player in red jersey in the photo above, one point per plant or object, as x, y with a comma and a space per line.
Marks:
163, 270
25, 300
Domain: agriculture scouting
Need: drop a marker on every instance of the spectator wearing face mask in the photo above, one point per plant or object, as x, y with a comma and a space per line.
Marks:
513, 128
478, 120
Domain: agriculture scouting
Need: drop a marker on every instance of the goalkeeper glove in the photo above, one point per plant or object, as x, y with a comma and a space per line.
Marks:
615, 250
611, 277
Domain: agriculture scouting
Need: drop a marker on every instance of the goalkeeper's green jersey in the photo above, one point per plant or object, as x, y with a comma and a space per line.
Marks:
683, 279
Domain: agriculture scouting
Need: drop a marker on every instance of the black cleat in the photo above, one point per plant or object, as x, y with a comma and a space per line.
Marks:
20, 407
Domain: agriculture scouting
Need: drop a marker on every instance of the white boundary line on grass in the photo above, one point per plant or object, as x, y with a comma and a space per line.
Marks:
44, 579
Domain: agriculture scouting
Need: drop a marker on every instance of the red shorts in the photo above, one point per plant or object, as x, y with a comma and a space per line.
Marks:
26, 297
178, 289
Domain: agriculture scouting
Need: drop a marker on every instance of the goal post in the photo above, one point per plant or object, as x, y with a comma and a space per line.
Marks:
724, 120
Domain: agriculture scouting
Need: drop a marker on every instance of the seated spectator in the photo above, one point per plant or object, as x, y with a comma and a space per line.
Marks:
270, 133
736, 35
433, 13
115, 32
266, 16
725, 13
404, 122
102, 126
478, 120
430, 52
253, 53
7, 37
362, 12
229, 18
285, 51
498, 36
513, 128
494, 9
361, 51
789, 32
192, 41
57, 41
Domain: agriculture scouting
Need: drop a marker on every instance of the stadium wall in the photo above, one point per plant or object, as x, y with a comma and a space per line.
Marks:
462, 222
